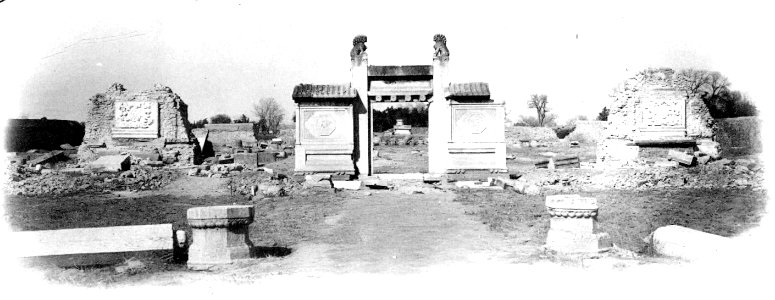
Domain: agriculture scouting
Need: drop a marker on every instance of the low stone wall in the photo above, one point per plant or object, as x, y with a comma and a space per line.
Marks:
26, 134
739, 136
228, 134
515, 134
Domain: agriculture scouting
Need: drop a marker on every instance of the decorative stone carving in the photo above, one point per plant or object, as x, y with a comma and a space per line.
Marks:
572, 226
220, 234
475, 121
440, 48
136, 119
321, 124
358, 51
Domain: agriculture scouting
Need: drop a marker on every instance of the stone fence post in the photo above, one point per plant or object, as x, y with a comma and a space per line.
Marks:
219, 234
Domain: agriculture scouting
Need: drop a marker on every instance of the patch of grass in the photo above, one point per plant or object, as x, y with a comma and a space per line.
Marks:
508, 212
627, 216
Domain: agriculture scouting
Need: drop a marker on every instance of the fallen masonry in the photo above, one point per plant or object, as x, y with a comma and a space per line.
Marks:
686, 243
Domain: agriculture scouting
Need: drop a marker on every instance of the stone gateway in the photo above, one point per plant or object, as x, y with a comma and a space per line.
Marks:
334, 132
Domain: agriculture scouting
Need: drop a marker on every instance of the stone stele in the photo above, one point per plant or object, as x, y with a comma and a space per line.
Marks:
572, 225
220, 235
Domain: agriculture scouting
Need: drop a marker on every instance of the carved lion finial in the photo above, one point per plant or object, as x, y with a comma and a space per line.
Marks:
440, 48
359, 48
359, 39
440, 38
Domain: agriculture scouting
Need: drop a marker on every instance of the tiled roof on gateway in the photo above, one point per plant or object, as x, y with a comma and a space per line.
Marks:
468, 89
328, 91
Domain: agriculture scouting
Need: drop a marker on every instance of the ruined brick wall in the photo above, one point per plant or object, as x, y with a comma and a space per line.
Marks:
699, 123
651, 99
173, 114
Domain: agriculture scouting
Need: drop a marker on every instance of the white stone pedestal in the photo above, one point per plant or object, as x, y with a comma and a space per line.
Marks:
220, 235
573, 224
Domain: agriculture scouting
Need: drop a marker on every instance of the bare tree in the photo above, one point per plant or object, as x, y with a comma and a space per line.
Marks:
716, 84
269, 113
693, 81
539, 103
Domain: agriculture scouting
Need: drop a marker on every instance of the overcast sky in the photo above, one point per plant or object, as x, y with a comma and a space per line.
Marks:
222, 56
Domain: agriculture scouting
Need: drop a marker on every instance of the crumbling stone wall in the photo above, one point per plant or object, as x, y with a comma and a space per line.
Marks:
699, 123
174, 127
228, 134
173, 114
651, 99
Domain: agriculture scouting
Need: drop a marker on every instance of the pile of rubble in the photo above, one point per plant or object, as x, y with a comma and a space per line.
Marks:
265, 183
29, 182
723, 173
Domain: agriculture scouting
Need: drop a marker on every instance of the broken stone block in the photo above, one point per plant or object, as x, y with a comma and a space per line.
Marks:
687, 243
374, 183
271, 189
573, 224
709, 147
111, 163
532, 190
220, 235
47, 158
682, 158
250, 160
701, 160
347, 185
430, 178
266, 157
666, 164
317, 180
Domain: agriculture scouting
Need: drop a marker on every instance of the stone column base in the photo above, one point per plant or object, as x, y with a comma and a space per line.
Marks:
220, 235
569, 242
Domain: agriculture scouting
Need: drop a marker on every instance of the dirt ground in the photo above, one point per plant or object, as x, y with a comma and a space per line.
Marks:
412, 228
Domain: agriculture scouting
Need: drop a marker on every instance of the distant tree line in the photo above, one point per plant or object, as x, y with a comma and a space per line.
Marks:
386, 119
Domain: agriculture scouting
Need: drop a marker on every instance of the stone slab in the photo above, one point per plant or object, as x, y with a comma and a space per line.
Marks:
111, 163
266, 157
405, 176
147, 155
347, 185
247, 159
90, 240
686, 243
682, 158
570, 202
50, 157
220, 212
